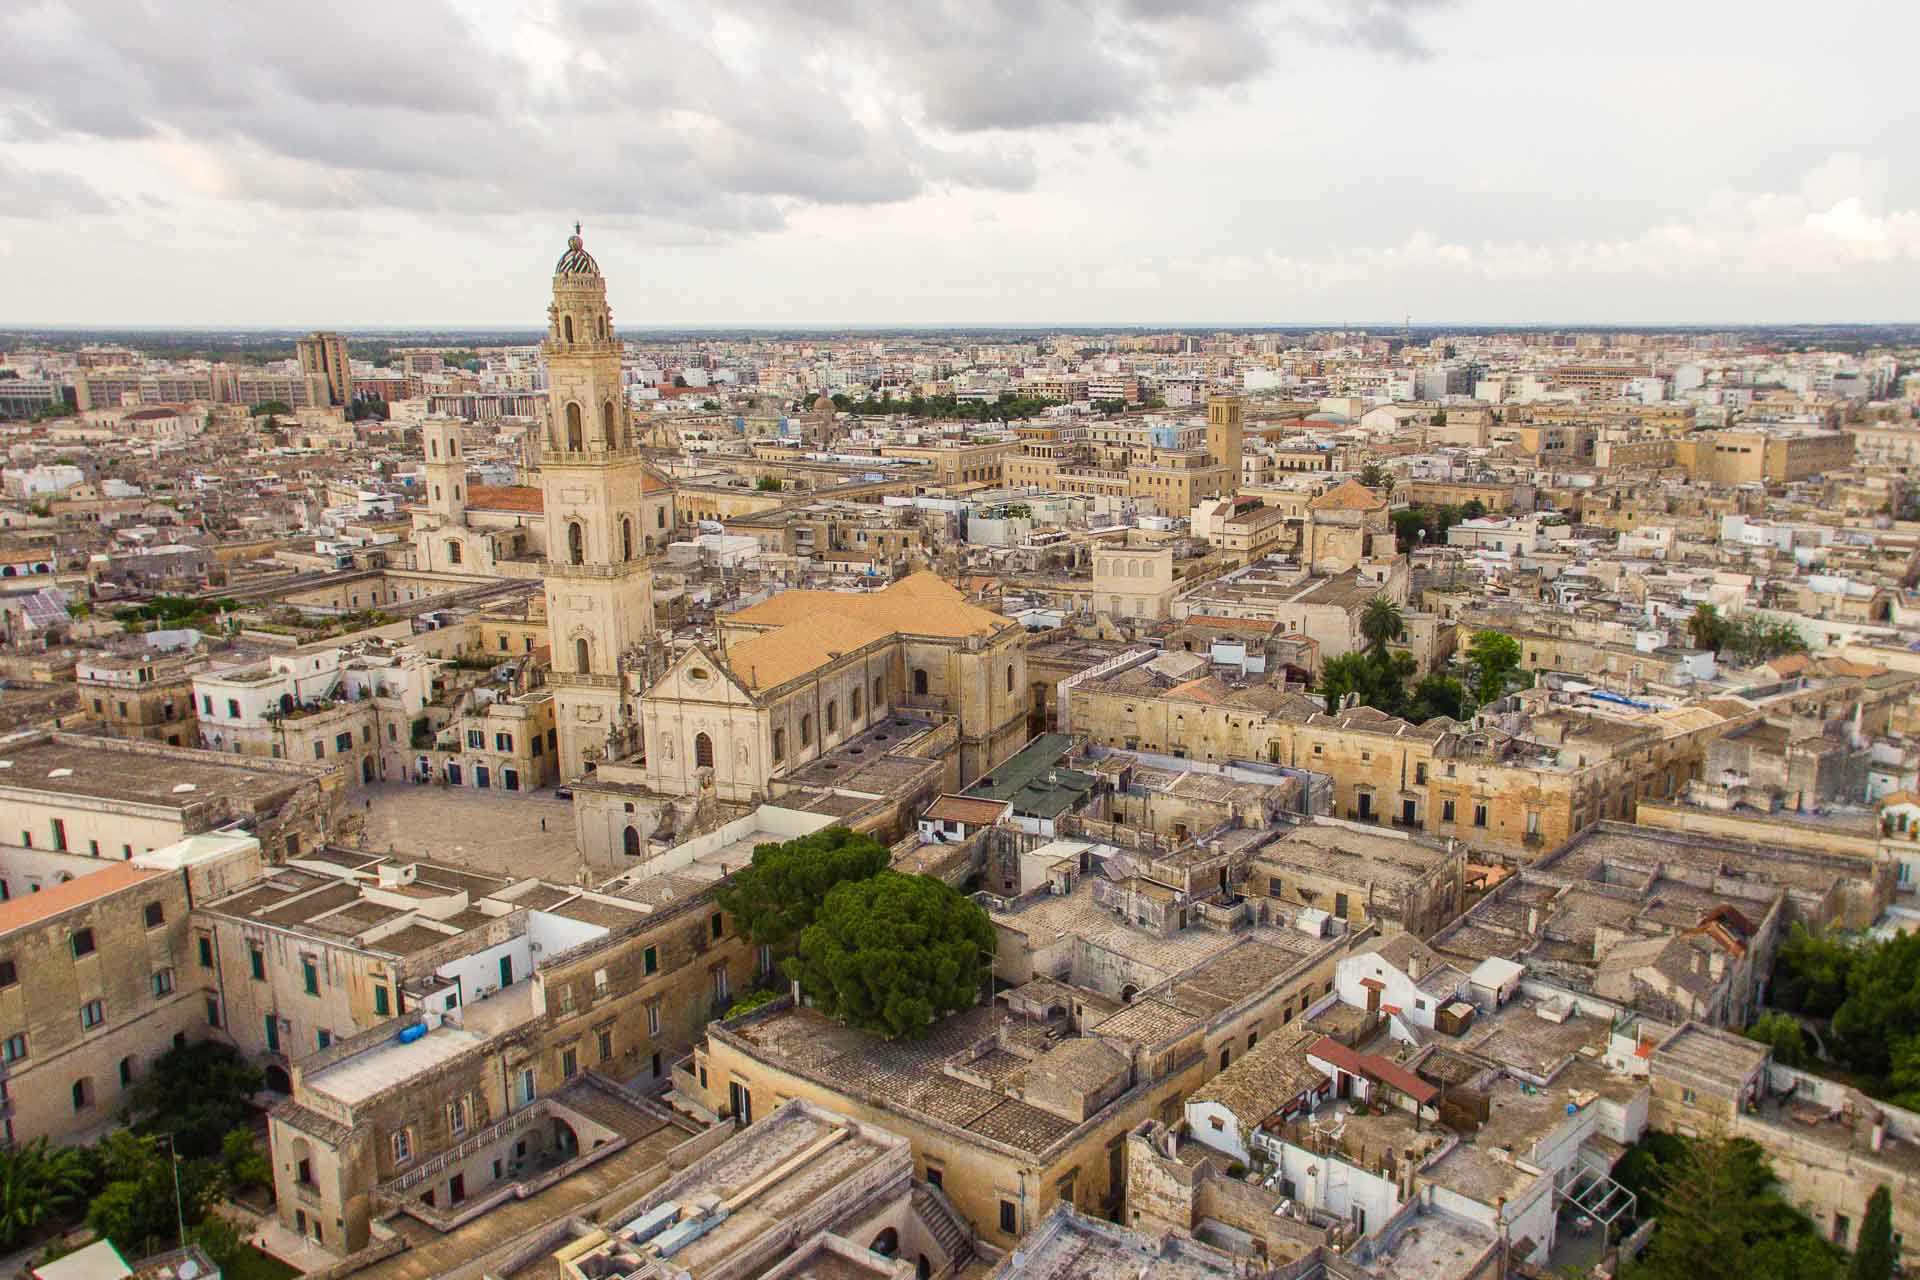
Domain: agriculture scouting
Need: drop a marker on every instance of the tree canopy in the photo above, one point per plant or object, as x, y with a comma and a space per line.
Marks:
1720, 1218
1494, 657
1870, 990
1874, 1258
1745, 638
1380, 678
1381, 623
893, 952
774, 900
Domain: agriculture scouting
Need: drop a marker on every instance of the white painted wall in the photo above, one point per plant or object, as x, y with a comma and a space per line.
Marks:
481, 970
549, 935
1202, 1117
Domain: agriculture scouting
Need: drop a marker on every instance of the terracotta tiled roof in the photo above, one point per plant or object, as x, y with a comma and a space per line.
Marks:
50, 902
506, 497
1351, 496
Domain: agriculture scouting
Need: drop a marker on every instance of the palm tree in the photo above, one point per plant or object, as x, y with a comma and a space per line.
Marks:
1381, 623
38, 1184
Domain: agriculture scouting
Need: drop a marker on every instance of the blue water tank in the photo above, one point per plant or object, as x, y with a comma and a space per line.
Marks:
412, 1033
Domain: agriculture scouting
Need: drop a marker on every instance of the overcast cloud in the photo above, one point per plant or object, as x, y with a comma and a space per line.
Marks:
928, 161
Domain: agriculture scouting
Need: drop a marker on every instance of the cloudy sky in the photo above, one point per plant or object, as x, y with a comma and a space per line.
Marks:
799, 162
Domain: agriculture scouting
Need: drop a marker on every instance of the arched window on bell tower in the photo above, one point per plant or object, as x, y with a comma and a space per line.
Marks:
566, 327
576, 434
576, 543
582, 655
606, 426
626, 538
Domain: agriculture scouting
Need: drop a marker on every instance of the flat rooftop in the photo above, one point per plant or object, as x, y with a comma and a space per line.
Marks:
139, 773
905, 1076
1436, 1246
391, 1065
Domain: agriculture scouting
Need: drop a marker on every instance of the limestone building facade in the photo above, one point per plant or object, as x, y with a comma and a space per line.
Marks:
599, 587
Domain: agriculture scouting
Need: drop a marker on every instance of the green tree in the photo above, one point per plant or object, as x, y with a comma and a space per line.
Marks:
1874, 1258
769, 484
1375, 476
267, 408
1706, 1196
774, 900
1706, 628
38, 1184
1379, 678
198, 1093
1381, 623
242, 1161
1472, 509
1810, 972
1781, 1032
891, 953
1437, 696
136, 1208
751, 1001
1882, 1007
1494, 657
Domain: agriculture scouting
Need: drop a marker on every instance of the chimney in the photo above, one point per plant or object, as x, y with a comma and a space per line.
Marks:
1413, 966
1533, 921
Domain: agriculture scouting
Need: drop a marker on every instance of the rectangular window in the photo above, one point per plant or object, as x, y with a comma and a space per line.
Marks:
322, 1038
1479, 815
343, 742
650, 960
402, 1146
233, 708
380, 1000
1009, 1218
213, 1012
257, 963
60, 834
1340, 905
319, 749
605, 1037
15, 1047
718, 924
272, 1025
1446, 811
156, 915
569, 1064
528, 1089
163, 982
476, 739
93, 1013
653, 1018
82, 943
310, 975
721, 987
457, 1116
8, 974
206, 951
503, 742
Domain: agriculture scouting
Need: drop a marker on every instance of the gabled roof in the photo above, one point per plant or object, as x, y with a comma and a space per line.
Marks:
1350, 496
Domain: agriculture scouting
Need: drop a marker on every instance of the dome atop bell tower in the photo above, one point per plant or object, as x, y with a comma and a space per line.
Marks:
576, 261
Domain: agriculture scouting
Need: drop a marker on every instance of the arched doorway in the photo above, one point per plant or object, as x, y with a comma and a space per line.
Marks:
286, 702
278, 1080
923, 1269
576, 435
566, 1143
702, 751
366, 769
630, 841
886, 1244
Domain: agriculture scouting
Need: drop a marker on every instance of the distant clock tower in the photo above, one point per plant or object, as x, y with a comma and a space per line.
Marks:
599, 588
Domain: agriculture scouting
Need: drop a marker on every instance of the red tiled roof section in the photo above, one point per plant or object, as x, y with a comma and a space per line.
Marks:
968, 810
506, 497
1329, 1050
78, 892
1395, 1076
1351, 496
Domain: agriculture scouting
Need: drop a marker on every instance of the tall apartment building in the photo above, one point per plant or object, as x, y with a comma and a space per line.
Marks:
323, 355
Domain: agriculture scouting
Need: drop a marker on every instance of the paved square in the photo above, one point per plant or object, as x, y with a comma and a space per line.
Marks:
495, 831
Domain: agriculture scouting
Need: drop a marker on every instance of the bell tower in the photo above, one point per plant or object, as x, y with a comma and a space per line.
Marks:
599, 588
446, 470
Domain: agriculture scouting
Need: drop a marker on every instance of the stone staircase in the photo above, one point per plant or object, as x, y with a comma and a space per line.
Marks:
944, 1223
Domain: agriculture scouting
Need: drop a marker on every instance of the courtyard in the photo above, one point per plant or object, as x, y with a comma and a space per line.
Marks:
493, 831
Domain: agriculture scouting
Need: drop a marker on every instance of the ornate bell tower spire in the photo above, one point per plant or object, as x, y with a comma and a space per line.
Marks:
599, 588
